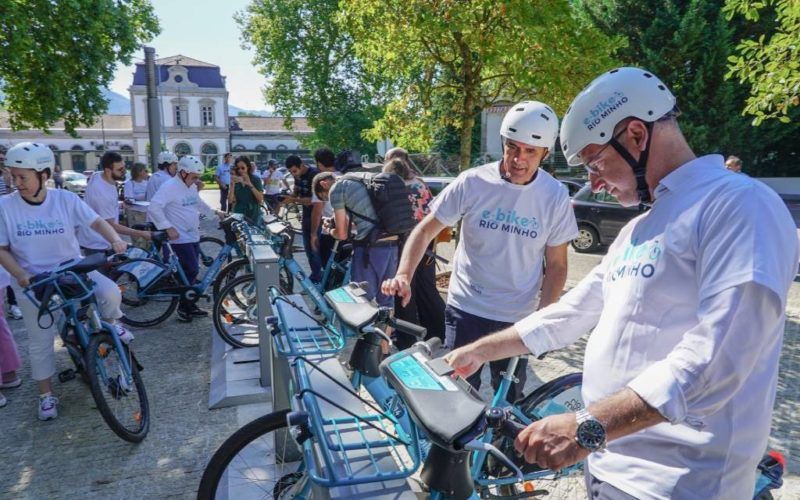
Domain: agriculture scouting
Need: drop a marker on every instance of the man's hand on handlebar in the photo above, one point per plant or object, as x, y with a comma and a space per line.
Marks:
550, 442
24, 280
172, 233
119, 246
465, 361
400, 285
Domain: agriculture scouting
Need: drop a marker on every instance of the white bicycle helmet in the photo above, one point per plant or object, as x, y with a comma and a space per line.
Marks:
531, 122
30, 155
191, 165
609, 99
167, 157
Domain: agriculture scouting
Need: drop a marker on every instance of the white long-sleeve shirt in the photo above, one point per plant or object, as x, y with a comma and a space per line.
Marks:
179, 206
155, 182
687, 311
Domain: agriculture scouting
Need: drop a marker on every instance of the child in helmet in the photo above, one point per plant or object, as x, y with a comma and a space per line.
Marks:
37, 233
176, 208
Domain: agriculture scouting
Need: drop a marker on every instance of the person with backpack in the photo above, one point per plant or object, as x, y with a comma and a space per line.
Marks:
379, 209
516, 222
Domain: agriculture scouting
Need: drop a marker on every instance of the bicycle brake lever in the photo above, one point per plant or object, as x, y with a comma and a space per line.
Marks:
476, 445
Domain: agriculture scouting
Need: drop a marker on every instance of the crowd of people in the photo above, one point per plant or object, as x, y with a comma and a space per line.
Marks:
686, 310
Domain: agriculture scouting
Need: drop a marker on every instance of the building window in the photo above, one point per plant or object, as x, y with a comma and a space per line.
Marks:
127, 155
209, 154
78, 158
207, 113
261, 156
281, 152
180, 112
239, 147
182, 149
54, 149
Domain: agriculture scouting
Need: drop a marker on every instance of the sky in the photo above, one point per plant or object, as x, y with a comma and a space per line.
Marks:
204, 30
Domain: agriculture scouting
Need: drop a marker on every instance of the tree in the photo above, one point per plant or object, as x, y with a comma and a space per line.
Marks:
311, 70
58, 56
770, 63
472, 53
687, 43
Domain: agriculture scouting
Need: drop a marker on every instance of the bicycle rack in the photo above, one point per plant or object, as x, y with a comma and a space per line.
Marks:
305, 336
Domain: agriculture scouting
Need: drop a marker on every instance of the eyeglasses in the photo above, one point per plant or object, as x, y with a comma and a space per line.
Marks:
592, 170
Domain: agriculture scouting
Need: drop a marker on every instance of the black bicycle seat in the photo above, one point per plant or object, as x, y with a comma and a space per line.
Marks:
351, 305
147, 226
88, 264
159, 237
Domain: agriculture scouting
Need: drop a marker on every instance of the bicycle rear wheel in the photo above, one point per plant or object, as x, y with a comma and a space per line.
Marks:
120, 396
145, 307
235, 312
247, 465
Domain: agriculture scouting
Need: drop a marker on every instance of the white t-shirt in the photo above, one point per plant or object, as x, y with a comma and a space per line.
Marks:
43, 236
497, 266
102, 197
273, 181
135, 190
687, 310
176, 205
155, 182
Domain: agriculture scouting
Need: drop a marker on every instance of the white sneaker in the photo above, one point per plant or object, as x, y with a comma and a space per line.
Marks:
125, 335
15, 311
48, 407
3, 401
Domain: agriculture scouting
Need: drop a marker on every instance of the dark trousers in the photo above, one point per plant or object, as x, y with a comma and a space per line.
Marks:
326, 242
462, 328
314, 260
223, 198
187, 254
426, 307
12, 298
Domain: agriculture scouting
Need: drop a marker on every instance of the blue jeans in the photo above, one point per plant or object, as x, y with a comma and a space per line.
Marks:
382, 266
314, 259
462, 328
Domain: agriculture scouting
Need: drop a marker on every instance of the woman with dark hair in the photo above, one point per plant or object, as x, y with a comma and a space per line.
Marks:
247, 194
426, 307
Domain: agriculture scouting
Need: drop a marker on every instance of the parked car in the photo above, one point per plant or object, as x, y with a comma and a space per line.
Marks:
573, 184
75, 182
436, 184
600, 218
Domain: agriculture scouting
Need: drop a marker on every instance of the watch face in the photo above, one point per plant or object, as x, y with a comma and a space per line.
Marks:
591, 435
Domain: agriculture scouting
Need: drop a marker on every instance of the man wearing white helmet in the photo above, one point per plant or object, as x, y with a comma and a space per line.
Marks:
167, 165
686, 310
515, 217
37, 234
176, 208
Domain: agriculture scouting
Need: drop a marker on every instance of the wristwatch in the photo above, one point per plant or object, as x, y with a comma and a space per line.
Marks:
590, 435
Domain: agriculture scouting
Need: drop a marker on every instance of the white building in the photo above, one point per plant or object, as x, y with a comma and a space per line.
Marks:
194, 120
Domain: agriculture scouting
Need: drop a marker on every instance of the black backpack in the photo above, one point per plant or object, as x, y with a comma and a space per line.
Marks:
390, 199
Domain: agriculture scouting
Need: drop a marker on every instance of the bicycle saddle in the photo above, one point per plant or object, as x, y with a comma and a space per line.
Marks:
147, 226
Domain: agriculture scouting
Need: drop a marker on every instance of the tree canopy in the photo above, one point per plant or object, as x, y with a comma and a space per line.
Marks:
58, 56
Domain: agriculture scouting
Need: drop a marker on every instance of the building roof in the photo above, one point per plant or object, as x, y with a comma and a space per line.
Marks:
108, 122
205, 75
270, 124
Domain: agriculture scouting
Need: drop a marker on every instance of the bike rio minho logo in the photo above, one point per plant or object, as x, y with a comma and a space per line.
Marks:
636, 260
603, 109
39, 228
509, 221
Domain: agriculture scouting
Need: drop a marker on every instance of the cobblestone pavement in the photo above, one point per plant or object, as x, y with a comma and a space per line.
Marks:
77, 456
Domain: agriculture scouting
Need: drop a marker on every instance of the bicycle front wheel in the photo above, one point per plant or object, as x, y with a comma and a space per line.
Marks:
249, 465
235, 312
209, 249
119, 393
234, 269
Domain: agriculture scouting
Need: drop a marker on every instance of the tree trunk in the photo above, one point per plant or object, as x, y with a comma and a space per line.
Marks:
467, 124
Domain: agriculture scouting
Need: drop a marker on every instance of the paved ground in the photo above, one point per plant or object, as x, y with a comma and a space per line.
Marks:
79, 457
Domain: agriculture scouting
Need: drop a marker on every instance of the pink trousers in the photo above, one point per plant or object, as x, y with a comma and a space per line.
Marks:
9, 357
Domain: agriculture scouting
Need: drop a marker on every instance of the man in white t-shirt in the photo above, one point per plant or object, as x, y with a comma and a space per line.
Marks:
274, 179
102, 196
176, 208
686, 310
516, 223
167, 166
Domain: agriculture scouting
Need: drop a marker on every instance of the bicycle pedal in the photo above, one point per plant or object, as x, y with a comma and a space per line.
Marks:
66, 375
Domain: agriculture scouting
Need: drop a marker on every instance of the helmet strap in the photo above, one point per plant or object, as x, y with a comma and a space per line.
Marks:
39, 176
639, 167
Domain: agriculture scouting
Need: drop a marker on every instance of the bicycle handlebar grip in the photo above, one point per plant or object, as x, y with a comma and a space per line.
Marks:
410, 328
511, 429
433, 344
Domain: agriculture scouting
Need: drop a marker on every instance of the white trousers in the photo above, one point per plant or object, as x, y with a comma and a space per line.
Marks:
40, 340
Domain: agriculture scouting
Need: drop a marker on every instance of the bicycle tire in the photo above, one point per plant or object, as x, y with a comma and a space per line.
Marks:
533, 406
228, 272
234, 316
135, 309
209, 249
101, 346
230, 449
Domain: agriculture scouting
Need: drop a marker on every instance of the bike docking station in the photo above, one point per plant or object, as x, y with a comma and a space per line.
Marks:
243, 376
